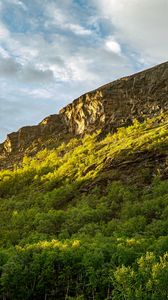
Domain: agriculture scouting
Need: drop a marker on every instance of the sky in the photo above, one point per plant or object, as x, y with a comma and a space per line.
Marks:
52, 51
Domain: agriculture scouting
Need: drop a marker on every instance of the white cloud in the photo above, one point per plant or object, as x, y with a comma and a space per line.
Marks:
23, 47
40, 93
29, 73
112, 45
77, 29
4, 32
62, 54
141, 25
21, 4
64, 20
4, 53
10, 68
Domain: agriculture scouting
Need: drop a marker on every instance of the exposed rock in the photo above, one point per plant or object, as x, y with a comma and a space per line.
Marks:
85, 113
20, 140
116, 104
113, 105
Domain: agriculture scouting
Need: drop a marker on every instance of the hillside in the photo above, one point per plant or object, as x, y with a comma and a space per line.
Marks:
139, 96
84, 197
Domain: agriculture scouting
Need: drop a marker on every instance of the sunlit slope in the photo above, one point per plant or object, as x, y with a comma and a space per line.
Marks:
88, 220
141, 148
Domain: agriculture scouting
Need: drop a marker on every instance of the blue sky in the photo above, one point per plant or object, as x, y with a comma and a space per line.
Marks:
52, 51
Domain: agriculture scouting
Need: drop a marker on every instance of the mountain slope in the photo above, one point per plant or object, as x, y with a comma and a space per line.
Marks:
109, 107
84, 215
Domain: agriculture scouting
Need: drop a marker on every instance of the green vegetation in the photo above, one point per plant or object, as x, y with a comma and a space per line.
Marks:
89, 219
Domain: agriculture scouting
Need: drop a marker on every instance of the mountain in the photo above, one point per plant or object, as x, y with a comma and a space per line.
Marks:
84, 197
117, 104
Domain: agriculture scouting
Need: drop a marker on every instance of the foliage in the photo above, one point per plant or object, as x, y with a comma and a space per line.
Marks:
79, 222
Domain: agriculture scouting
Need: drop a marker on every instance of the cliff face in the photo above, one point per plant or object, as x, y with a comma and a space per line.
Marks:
18, 141
85, 114
116, 104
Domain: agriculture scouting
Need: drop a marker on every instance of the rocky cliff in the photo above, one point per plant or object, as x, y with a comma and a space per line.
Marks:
116, 104
20, 140
142, 95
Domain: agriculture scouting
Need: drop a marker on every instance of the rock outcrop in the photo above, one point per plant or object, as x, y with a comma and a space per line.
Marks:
20, 140
142, 95
116, 104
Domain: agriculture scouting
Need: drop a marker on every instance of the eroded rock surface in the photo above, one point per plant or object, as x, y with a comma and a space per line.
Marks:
116, 104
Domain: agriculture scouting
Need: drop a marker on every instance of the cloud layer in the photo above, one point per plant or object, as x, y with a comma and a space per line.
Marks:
140, 25
52, 51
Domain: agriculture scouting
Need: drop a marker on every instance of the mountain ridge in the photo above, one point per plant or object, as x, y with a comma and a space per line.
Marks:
113, 105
